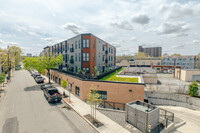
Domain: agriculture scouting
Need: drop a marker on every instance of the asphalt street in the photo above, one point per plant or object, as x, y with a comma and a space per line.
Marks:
23, 109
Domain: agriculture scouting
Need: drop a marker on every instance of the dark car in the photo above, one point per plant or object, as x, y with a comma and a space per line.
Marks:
52, 95
45, 86
39, 79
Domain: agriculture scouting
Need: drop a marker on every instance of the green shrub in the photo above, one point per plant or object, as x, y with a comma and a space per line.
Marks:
2, 77
193, 89
112, 77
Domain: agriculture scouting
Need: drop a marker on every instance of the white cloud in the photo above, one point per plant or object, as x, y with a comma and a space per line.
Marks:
176, 10
196, 41
141, 19
122, 25
73, 28
133, 39
173, 28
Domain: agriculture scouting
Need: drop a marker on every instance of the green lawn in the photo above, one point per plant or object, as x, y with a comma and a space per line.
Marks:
112, 77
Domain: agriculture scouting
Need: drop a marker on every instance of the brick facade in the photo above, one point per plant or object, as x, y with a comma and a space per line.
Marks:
116, 91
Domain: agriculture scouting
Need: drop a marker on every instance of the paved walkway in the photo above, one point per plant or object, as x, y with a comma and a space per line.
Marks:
83, 109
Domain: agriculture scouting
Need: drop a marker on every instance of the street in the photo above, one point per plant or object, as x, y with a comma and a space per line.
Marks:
23, 109
191, 117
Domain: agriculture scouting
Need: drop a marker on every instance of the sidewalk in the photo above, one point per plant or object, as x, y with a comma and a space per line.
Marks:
83, 109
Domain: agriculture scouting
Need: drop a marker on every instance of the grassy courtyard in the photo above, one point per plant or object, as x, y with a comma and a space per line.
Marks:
112, 77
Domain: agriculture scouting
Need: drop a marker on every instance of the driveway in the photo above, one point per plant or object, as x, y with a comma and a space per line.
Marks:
192, 118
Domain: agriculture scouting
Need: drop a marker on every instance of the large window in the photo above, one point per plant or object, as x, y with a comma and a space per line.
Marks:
77, 91
93, 43
79, 57
76, 57
85, 43
79, 43
102, 94
103, 57
85, 69
75, 44
85, 56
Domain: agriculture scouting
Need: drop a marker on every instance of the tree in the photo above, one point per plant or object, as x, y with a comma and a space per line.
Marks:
93, 99
2, 77
175, 54
165, 55
193, 89
64, 83
46, 61
94, 71
140, 55
14, 56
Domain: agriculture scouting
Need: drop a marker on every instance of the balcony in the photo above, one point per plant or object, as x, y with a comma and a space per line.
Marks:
72, 61
71, 49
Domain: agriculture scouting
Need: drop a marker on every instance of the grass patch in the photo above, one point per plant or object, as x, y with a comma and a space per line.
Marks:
112, 77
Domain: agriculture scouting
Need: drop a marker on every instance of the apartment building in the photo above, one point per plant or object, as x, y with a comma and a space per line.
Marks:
186, 62
151, 51
85, 52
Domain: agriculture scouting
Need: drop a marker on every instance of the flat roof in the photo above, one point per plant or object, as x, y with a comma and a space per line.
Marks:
141, 108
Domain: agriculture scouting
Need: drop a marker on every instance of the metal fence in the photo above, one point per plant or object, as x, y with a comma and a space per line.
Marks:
112, 105
166, 118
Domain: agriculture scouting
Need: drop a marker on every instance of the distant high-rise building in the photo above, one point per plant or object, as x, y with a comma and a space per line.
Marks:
29, 55
151, 51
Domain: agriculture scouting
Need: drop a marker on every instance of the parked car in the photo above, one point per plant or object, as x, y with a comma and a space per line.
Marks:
39, 79
36, 75
52, 95
45, 86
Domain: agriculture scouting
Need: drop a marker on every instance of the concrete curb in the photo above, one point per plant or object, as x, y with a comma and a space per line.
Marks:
83, 117
180, 124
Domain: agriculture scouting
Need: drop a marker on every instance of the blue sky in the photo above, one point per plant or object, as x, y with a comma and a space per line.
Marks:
34, 24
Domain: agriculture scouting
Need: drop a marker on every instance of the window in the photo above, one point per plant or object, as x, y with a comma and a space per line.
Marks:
85, 43
85, 56
85, 69
109, 58
75, 44
103, 57
79, 43
76, 57
93, 57
103, 48
109, 50
76, 69
93, 43
77, 91
79, 57
102, 94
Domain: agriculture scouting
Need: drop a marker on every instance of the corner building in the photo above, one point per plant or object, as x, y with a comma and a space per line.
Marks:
85, 52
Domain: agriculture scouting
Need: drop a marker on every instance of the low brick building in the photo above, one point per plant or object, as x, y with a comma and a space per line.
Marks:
119, 92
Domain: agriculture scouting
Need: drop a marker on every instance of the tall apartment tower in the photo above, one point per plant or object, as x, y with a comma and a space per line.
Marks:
151, 51
85, 52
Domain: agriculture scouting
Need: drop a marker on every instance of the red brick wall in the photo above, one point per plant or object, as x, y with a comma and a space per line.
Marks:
116, 92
